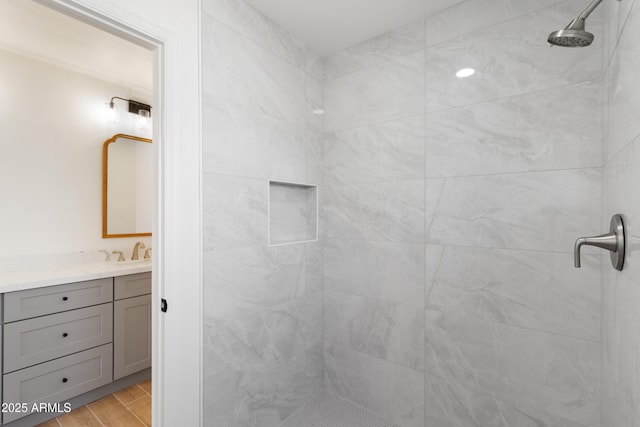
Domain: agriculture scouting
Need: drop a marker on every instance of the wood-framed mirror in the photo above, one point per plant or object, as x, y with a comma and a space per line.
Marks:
127, 186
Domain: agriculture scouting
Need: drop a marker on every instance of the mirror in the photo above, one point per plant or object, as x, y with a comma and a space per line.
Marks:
127, 186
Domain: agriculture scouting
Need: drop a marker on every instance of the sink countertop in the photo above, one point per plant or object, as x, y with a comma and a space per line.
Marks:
21, 280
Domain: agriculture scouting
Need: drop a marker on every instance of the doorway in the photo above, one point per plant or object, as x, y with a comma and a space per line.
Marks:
176, 335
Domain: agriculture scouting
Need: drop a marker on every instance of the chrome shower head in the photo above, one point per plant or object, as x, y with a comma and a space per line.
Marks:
574, 35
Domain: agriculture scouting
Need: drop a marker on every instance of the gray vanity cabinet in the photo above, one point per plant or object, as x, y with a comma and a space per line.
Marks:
57, 343
132, 324
61, 341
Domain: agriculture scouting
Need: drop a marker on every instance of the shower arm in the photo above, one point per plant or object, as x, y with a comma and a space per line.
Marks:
584, 15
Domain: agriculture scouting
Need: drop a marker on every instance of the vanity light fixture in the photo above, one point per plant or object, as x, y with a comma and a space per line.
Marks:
135, 107
465, 72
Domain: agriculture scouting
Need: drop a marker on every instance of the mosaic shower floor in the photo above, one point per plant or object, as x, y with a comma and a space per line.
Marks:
329, 410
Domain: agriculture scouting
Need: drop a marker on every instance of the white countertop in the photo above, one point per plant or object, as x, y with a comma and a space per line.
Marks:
21, 280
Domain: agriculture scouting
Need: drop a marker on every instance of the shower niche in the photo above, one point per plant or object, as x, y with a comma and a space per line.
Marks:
292, 212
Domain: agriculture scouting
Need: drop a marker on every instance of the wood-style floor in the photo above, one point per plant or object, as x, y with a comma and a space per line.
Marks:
130, 407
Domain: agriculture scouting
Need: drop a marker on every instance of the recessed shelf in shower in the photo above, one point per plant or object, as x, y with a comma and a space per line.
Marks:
293, 213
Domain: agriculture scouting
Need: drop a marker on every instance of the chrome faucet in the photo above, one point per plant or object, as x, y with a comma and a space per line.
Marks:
136, 248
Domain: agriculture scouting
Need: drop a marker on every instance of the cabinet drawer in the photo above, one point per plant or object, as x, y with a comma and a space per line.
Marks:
54, 299
132, 285
38, 340
58, 380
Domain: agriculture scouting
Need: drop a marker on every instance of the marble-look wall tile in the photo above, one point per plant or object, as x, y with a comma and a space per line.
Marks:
445, 399
620, 178
241, 141
234, 211
551, 373
620, 126
387, 330
265, 403
240, 72
240, 350
543, 211
388, 46
433, 189
314, 335
314, 102
388, 271
252, 278
506, 65
535, 290
315, 157
621, 294
384, 211
620, 84
314, 267
396, 392
616, 14
513, 134
470, 16
384, 152
390, 91
621, 385
252, 24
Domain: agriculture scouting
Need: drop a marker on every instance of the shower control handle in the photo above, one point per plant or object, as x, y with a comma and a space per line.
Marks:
612, 241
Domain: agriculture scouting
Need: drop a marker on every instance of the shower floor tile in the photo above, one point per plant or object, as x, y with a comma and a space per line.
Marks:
329, 410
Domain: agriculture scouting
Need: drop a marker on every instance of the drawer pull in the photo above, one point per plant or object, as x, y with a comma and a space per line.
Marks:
64, 335
64, 380
65, 298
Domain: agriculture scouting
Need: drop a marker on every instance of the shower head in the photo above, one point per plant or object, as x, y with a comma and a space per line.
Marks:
574, 34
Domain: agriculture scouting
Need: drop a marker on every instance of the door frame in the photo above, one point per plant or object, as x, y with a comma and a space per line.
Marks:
172, 31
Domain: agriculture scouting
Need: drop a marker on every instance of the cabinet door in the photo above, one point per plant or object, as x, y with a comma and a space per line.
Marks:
131, 335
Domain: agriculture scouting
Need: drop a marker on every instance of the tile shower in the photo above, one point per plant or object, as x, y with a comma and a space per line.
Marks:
441, 291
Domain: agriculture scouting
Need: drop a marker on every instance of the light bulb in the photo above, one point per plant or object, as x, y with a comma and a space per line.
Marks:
112, 113
143, 119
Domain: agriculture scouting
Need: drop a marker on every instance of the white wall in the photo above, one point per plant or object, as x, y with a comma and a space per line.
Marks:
54, 125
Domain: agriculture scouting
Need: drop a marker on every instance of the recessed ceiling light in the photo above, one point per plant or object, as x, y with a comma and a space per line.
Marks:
465, 72
318, 111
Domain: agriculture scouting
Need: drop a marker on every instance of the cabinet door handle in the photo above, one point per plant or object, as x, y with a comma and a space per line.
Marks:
64, 380
64, 335
65, 298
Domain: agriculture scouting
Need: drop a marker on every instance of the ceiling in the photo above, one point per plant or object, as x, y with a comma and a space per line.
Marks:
328, 26
33, 30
